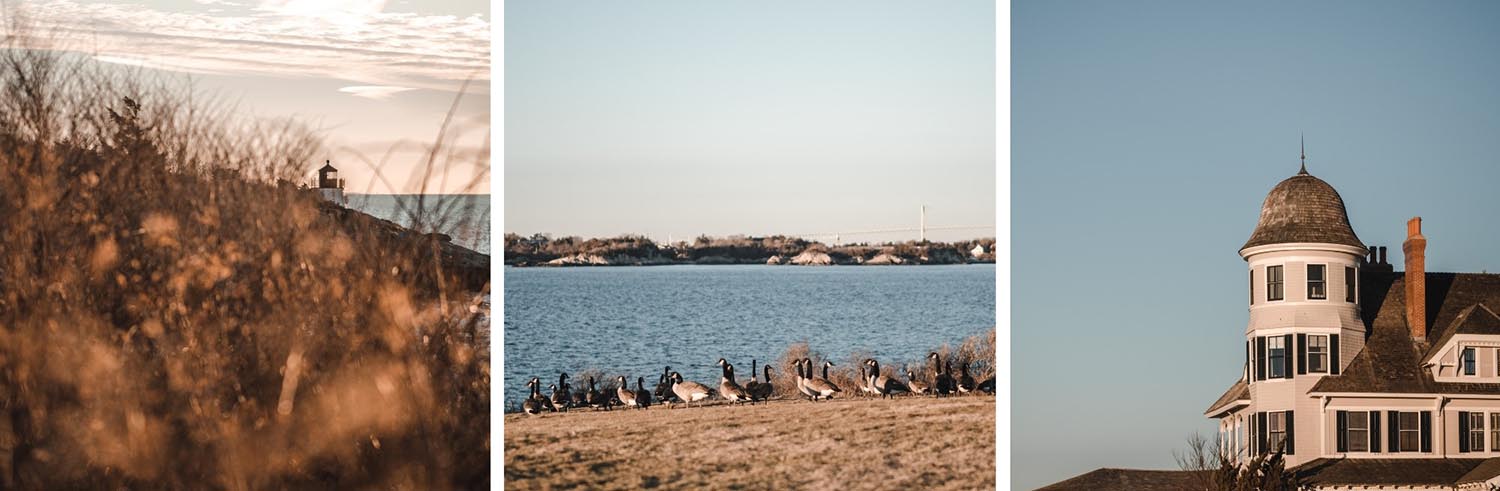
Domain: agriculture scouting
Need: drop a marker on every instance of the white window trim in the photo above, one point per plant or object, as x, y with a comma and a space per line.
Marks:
1472, 430
1271, 364
1281, 282
1402, 431
1349, 430
1270, 434
1307, 278
1327, 358
1494, 431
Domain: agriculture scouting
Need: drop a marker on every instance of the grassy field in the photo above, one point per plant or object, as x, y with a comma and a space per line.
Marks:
908, 443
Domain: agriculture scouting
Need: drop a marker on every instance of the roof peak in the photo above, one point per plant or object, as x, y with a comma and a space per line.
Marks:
1303, 172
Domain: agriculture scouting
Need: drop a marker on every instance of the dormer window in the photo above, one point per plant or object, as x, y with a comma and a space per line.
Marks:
1317, 281
1273, 283
1466, 361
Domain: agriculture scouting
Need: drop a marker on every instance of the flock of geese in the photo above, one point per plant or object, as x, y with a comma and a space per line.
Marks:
671, 388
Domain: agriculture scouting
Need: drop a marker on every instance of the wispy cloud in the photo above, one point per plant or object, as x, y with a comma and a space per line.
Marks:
377, 92
351, 40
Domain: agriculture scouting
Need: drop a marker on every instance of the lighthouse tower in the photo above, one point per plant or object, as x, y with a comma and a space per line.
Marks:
1303, 267
330, 186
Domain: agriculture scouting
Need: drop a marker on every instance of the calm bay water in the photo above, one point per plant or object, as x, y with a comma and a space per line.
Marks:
468, 221
633, 320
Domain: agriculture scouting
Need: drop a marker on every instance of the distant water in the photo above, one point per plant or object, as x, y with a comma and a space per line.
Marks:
633, 320
468, 225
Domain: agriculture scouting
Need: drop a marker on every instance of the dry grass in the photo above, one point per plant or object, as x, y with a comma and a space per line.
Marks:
908, 443
176, 314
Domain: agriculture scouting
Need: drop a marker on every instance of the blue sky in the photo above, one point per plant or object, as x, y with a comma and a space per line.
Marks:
1145, 136
368, 75
678, 118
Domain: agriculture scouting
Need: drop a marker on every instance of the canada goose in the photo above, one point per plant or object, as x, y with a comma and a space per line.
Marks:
965, 382
886, 386
944, 384
864, 381
534, 403
760, 391
821, 386
751, 387
803, 374
688, 392
729, 389
627, 396
917, 386
988, 385
664, 386
594, 398
553, 388
561, 398
642, 398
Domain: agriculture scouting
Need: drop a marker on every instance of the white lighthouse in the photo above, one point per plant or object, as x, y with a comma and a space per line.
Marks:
330, 186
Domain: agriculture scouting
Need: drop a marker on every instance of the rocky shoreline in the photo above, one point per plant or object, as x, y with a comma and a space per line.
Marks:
471, 268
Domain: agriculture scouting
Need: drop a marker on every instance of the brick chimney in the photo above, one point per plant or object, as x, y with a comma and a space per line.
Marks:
1415, 248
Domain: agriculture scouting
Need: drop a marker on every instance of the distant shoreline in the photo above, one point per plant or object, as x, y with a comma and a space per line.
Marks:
690, 263
544, 251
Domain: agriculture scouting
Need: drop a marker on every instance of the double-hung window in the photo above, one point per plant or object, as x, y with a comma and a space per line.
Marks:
1276, 431
1317, 353
1359, 431
1351, 284
1409, 433
1317, 281
1495, 432
1276, 354
1467, 362
1273, 283
1476, 432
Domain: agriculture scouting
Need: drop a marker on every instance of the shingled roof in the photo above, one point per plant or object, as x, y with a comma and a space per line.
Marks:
1484, 472
1240, 391
1386, 472
1303, 208
1391, 361
1126, 480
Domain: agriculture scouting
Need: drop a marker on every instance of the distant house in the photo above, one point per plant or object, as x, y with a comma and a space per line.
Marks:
977, 251
330, 186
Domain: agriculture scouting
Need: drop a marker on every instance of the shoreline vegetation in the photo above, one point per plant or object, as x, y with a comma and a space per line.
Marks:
633, 250
176, 313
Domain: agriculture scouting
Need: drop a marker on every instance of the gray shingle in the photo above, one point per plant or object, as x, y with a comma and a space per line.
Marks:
1303, 208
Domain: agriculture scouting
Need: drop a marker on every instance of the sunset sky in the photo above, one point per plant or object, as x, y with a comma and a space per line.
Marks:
368, 74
